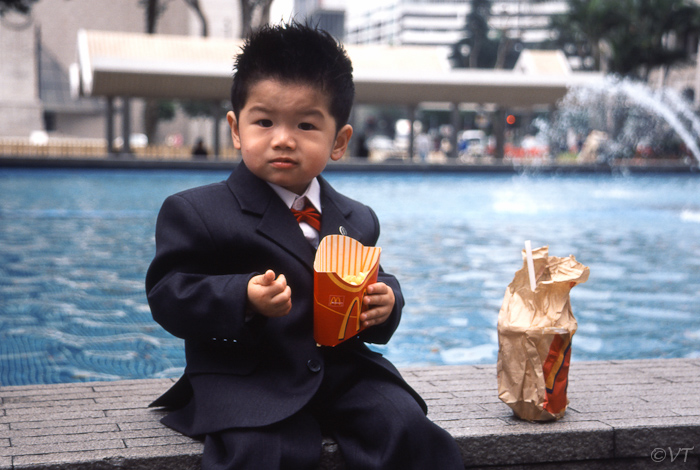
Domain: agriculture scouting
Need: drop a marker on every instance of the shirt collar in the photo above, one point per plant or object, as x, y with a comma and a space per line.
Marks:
312, 193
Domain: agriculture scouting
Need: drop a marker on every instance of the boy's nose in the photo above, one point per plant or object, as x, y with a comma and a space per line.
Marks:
283, 139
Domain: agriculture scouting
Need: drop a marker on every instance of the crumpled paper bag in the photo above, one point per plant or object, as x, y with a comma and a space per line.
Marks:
534, 337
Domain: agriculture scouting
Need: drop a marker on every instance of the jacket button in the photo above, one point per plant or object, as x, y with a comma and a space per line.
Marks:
314, 365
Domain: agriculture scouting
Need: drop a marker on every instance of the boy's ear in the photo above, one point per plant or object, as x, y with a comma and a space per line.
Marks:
235, 135
341, 142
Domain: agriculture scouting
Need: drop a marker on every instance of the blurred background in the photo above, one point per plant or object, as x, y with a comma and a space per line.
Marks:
51, 102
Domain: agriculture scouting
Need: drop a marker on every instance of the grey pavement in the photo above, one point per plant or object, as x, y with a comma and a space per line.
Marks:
633, 414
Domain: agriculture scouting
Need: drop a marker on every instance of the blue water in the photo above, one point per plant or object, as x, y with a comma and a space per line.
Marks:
75, 246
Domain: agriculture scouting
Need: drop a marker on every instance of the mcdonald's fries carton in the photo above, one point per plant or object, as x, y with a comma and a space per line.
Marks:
343, 269
535, 328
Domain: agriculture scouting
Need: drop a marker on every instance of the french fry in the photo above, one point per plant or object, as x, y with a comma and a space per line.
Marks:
355, 279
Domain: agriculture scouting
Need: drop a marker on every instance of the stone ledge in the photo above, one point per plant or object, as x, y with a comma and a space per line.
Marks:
622, 413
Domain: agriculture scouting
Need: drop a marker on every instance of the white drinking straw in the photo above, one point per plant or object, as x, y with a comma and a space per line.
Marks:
530, 265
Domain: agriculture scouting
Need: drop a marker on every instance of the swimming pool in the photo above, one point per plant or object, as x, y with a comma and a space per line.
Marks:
75, 245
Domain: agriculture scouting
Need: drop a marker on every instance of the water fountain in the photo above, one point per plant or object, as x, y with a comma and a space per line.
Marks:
635, 119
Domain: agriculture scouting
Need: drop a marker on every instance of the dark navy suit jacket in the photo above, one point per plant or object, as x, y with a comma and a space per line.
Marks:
209, 242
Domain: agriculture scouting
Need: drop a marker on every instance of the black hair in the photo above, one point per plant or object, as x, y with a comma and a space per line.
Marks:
295, 53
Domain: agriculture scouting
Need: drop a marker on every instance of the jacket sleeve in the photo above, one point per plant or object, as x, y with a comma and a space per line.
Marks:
189, 292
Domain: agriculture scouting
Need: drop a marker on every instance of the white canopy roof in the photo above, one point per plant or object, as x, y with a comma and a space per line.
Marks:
160, 66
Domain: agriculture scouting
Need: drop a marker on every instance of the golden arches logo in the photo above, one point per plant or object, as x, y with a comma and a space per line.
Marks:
344, 326
336, 300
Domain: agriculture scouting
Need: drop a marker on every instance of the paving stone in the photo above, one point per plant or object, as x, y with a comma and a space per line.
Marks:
157, 441
47, 400
130, 412
608, 416
71, 447
35, 392
23, 409
60, 423
66, 430
141, 425
630, 405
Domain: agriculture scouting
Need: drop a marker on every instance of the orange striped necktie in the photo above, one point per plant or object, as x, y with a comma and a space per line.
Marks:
310, 215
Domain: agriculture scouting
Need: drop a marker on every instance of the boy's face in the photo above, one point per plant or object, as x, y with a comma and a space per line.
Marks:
286, 134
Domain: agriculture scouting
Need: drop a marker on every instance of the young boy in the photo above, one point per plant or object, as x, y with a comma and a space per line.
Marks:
233, 276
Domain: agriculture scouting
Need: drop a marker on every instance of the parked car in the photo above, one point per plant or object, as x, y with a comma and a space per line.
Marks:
472, 143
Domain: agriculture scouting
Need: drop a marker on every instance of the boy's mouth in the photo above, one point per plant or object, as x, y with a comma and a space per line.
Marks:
283, 163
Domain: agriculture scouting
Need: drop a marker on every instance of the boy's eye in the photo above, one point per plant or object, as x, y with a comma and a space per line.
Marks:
306, 126
265, 123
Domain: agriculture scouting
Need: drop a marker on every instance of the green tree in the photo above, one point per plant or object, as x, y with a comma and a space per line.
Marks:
636, 35
655, 36
475, 50
477, 28
586, 24
482, 46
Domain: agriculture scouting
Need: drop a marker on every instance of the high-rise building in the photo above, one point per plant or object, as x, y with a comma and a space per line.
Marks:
442, 22
328, 15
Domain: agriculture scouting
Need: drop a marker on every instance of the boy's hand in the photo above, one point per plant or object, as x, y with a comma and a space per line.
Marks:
269, 296
380, 300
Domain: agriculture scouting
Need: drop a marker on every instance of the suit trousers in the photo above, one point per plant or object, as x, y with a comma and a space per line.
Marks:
376, 423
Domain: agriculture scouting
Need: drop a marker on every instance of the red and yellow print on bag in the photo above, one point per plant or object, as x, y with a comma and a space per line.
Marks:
556, 373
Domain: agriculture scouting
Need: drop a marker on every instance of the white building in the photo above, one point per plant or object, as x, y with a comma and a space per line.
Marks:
36, 53
442, 22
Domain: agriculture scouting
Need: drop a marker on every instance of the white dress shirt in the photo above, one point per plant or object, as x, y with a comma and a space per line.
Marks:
296, 201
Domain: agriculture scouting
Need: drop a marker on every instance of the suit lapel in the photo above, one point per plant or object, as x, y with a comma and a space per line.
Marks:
335, 213
276, 220
280, 226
